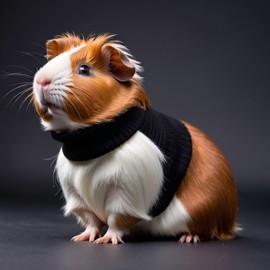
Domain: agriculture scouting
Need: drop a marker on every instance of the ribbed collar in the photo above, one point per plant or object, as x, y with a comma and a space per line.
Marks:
99, 139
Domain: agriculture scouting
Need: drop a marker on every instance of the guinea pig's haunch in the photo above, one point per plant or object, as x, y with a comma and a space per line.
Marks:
123, 164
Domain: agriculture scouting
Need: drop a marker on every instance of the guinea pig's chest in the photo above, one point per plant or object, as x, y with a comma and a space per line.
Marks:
130, 176
140, 156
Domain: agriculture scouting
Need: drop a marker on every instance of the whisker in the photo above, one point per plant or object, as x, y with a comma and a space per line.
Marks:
32, 55
23, 52
60, 99
73, 93
17, 96
42, 47
20, 67
65, 80
25, 99
29, 102
61, 102
56, 99
20, 83
72, 104
64, 105
16, 74
12, 90
21, 92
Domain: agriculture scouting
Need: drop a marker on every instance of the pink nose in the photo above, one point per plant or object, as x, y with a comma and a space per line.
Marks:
43, 82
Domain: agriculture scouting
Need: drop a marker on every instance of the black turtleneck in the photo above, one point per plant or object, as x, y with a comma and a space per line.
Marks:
169, 134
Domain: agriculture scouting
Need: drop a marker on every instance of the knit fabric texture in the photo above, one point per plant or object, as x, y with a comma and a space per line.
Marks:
169, 135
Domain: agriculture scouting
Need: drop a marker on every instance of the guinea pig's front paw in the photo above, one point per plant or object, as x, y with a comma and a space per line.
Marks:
189, 238
89, 234
110, 236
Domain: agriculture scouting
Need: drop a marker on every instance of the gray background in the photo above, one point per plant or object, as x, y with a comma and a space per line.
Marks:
206, 62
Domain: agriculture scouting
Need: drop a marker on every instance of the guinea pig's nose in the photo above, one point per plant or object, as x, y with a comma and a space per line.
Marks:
43, 82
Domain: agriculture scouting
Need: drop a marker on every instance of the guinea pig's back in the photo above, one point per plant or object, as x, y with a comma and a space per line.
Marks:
208, 192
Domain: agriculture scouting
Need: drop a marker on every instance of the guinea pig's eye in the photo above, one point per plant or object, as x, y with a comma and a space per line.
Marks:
84, 70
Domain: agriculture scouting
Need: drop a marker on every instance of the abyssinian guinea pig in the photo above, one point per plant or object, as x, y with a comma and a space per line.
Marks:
122, 164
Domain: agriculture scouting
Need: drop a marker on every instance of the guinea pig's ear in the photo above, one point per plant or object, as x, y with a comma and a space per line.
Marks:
61, 44
120, 66
53, 48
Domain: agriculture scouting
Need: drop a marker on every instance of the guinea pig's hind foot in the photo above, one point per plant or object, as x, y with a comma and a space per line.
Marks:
89, 234
110, 236
189, 238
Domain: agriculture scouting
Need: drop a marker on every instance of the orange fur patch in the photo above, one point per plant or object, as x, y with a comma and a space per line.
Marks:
61, 44
99, 97
208, 192
92, 53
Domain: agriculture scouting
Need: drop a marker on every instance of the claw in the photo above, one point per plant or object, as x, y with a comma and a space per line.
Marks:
189, 238
183, 238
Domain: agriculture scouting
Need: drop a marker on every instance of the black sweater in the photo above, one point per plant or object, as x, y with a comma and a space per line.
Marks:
170, 136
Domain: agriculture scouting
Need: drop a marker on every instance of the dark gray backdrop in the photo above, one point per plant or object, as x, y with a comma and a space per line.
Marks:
205, 62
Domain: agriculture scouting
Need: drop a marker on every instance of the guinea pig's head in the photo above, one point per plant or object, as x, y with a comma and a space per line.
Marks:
86, 82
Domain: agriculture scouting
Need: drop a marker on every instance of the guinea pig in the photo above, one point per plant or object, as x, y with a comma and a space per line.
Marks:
123, 165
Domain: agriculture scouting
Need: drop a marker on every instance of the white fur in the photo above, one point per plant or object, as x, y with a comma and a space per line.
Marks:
125, 181
171, 222
58, 71
60, 121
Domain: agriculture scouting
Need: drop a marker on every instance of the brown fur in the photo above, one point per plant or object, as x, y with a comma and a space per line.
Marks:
109, 99
208, 192
124, 222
